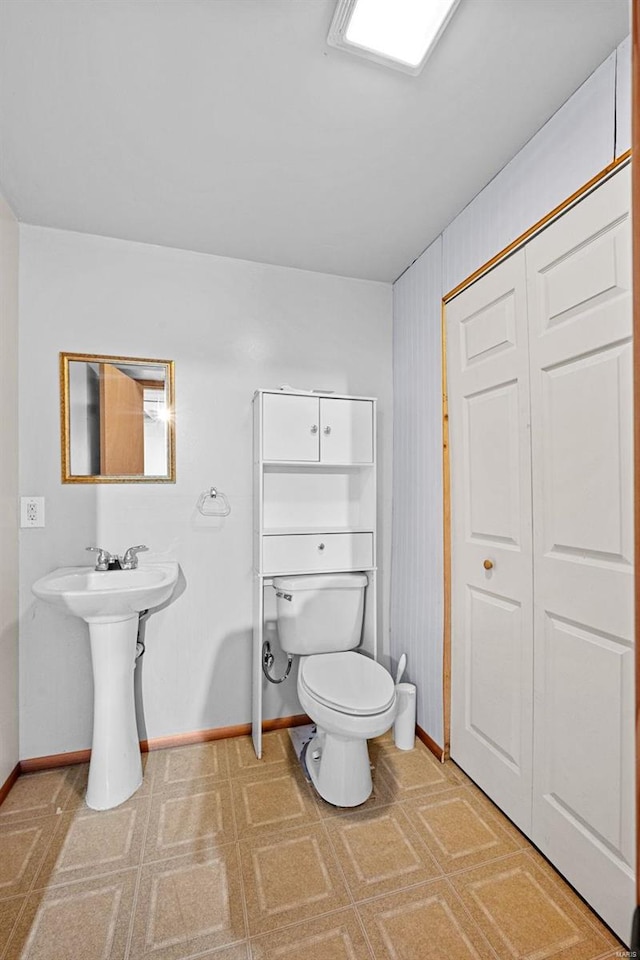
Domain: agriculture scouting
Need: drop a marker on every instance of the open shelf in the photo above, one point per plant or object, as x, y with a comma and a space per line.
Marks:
293, 531
313, 465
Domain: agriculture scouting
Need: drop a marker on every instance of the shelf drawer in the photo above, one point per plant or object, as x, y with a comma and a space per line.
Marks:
310, 552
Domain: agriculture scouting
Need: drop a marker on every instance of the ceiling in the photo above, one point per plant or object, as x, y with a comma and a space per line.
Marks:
230, 127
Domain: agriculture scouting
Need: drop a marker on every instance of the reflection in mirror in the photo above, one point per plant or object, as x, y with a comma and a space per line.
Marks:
117, 419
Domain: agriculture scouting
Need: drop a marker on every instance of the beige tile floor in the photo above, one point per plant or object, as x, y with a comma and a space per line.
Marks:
221, 856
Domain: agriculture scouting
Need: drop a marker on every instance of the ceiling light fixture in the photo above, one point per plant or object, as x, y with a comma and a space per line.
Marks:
397, 33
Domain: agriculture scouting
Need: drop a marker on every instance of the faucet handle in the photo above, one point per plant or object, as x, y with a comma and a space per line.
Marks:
130, 559
103, 559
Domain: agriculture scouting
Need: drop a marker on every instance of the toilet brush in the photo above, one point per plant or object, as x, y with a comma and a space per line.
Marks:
404, 728
402, 663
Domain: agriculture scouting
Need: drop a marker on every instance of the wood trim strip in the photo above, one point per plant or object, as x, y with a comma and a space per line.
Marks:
9, 782
34, 764
635, 227
430, 744
157, 743
543, 222
221, 733
446, 549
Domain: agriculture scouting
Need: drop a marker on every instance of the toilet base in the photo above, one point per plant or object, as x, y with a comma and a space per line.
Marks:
341, 773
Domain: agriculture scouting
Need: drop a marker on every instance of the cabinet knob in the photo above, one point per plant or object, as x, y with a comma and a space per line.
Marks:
327, 430
321, 546
488, 564
314, 428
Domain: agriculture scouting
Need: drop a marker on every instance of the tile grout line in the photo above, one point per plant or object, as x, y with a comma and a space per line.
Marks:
335, 856
136, 887
59, 818
15, 925
243, 895
471, 918
238, 852
31, 888
299, 923
594, 921
423, 844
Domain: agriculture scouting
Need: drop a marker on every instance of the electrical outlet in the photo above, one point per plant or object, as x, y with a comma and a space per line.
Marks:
32, 511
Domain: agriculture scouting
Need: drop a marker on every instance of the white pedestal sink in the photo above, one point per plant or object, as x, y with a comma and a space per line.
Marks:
111, 602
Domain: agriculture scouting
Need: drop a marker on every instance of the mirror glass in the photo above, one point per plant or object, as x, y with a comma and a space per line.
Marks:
117, 418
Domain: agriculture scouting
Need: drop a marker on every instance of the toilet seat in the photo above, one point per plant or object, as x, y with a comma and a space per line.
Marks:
347, 682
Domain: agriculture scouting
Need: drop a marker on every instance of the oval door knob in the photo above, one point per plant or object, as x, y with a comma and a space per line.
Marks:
327, 430
488, 564
314, 428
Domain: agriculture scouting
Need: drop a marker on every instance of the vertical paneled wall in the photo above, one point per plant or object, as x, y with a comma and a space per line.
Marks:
8, 491
416, 560
589, 130
573, 145
623, 97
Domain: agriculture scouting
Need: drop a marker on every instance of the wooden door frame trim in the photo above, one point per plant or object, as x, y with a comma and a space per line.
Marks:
635, 267
511, 248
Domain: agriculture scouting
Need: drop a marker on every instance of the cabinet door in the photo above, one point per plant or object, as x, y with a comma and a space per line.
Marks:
290, 427
347, 431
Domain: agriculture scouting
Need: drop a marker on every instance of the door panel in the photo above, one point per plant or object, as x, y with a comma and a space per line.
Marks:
494, 496
493, 710
489, 331
585, 415
586, 767
578, 275
491, 617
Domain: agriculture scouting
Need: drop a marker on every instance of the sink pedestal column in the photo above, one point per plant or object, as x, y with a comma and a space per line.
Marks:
115, 770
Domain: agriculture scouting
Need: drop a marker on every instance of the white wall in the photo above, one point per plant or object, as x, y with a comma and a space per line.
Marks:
8, 491
574, 145
231, 327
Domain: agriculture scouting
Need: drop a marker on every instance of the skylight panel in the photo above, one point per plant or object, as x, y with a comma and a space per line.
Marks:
396, 33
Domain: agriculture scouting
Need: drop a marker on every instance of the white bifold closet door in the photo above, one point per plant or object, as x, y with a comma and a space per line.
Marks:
492, 609
580, 320
542, 652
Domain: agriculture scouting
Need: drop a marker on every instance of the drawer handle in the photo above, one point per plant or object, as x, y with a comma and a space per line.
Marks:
488, 564
314, 428
327, 430
321, 546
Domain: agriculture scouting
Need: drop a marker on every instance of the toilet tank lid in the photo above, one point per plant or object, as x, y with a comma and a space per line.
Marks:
322, 581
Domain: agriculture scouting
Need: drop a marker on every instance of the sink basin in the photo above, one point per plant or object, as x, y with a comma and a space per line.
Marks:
111, 602
95, 594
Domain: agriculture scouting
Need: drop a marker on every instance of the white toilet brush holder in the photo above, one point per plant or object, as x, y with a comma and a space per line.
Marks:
404, 728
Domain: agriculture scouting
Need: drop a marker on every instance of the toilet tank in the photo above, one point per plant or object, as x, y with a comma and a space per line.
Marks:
321, 613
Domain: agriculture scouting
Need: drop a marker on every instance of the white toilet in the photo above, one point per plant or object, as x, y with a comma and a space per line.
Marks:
350, 697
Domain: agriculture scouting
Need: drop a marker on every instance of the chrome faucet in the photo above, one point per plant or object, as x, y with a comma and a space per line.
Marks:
105, 560
130, 559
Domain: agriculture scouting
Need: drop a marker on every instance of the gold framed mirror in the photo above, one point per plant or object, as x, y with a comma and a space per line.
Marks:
117, 418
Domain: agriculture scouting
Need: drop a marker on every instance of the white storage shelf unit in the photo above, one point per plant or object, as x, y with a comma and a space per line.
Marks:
314, 500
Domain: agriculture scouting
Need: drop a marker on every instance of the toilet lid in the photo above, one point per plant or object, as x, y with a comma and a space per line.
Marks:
348, 682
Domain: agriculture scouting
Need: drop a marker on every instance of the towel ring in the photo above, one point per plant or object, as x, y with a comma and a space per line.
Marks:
213, 503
